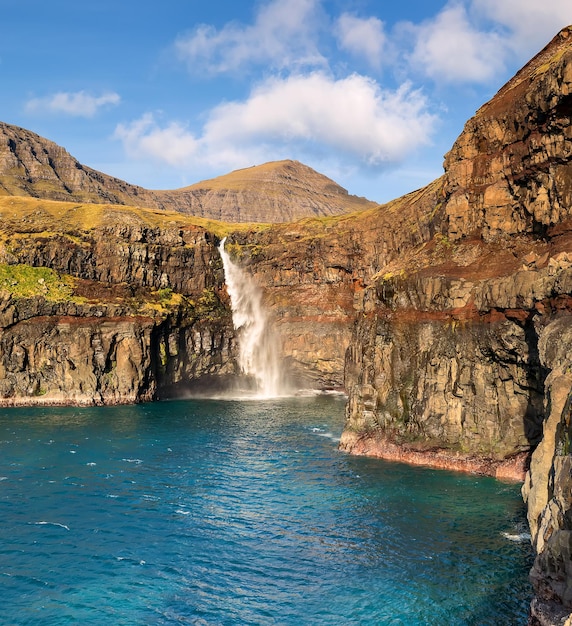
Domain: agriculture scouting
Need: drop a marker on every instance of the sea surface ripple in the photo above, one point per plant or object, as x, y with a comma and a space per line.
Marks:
228, 512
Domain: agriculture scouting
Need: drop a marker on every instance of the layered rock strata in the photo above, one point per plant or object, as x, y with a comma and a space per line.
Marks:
459, 356
509, 172
133, 309
452, 364
314, 271
61, 354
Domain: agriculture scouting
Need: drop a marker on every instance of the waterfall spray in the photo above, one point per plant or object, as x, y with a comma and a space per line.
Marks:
258, 356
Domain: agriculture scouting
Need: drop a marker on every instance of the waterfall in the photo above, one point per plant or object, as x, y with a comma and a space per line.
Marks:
258, 346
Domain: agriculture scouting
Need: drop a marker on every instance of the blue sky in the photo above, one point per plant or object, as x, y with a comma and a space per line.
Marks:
164, 94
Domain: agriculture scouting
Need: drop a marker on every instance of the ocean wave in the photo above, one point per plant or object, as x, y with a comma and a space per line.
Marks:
516, 537
43, 523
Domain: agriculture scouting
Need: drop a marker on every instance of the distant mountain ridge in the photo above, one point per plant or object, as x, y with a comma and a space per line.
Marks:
280, 191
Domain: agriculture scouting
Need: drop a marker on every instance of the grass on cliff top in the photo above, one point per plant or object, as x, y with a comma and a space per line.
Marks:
398, 207
32, 215
42, 218
25, 281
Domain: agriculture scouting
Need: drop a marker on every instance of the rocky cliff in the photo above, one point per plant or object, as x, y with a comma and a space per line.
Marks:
31, 165
274, 192
104, 305
509, 172
459, 356
314, 272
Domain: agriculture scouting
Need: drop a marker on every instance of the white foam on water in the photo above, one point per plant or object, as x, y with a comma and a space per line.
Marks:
517, 537
330, 436
42, 523
325, 433
150, 498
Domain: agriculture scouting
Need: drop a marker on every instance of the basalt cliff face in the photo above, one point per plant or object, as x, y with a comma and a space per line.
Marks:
281, 191
103, 305
460, 353
314, 274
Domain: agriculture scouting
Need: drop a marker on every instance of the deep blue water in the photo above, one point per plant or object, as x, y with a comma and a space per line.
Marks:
222, 512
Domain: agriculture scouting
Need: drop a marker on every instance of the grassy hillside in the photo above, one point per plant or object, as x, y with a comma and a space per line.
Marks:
20, 214
280, 191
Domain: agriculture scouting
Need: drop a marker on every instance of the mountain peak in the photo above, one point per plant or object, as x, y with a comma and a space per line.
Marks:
279, 191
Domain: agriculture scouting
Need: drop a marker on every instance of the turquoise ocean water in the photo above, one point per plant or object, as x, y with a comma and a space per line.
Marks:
229, 512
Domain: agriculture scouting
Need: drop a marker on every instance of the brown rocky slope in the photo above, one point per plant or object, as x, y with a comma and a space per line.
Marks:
281, 191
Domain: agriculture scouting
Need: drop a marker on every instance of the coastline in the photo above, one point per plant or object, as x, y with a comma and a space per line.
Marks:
512, 469
76, 401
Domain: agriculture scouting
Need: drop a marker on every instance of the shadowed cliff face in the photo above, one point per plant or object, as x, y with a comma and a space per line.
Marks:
548, 486
91, 356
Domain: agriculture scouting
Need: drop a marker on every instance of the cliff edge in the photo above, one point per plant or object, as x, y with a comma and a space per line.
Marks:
460, 353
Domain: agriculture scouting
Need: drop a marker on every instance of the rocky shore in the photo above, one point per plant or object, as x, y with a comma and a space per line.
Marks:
509, 469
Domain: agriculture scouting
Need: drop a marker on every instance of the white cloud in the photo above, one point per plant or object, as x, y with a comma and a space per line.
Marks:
361, 37
449, 49
282, 35
173, 144
78, 104
352, 118
353, 115
532, 23
473, 41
